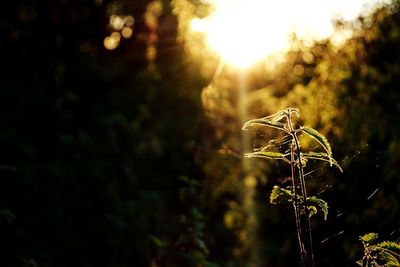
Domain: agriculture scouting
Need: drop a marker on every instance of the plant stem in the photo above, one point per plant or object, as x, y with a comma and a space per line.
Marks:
306, 218
296, 205
306, 248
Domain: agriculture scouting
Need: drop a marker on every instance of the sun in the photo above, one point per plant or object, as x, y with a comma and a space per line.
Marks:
244, 32
240, 31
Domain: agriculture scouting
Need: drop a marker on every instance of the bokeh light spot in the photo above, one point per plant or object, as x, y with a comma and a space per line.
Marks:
109, 43
308, 57
117, 22
127, 32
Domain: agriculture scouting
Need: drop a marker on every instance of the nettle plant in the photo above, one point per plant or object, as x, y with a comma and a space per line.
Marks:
304, 206
386, 253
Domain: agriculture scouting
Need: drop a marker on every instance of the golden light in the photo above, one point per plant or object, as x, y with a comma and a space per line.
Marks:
129, 21
244, 32
121, 26
117, 22
127, 32
238, 31
111, 42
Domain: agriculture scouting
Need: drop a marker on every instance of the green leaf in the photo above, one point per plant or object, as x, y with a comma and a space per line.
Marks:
312, 210
390, 258
318, 204
280, 195
392, 246
264, 122
265, 155
369, 238
321, 156
320, 138
392, 264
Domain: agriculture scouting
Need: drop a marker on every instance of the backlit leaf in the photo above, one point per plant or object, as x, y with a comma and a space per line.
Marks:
393, 246
369, 238
265, 155
390, 258
318, 204
321, 156
320, 138
311, 211
279, 195
360, 263
264, 122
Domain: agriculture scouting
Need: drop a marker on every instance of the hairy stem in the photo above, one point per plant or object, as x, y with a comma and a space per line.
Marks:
296, 204
305, 239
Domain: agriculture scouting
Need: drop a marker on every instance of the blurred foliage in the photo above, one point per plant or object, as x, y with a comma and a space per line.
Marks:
93, 141
189, 248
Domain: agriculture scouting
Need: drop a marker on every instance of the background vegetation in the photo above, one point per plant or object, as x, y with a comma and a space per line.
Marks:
132, 156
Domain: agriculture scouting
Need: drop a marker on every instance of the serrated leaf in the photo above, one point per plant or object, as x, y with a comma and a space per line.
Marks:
392, 264
319, 204
389, 258
264, 122
279, 195
369, 238
392, 246
265, 155
320, 138
321, 156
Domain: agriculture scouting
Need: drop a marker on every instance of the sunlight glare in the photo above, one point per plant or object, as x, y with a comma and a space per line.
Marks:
244, 32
